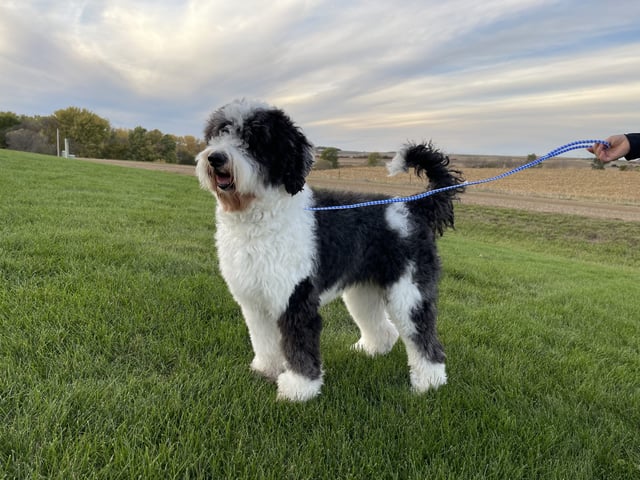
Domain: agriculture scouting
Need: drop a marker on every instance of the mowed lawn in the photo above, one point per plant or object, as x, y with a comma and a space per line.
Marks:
122, 354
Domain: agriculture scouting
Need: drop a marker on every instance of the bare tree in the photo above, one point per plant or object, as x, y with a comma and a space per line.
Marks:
29, 141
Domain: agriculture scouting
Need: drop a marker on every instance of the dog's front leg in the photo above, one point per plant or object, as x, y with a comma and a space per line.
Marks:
266, 342
300, 327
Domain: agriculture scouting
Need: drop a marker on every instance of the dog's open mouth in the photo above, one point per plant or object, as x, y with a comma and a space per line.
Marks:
224, 180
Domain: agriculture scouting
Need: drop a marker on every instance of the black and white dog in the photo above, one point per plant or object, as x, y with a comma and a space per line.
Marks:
282, 261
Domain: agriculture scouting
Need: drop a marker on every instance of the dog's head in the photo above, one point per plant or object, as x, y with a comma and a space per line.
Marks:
251, 148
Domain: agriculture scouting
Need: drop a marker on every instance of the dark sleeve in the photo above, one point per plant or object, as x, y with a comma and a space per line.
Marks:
634, 141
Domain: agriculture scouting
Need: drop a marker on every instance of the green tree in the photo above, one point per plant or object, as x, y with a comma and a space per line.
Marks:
187, 149
330, 154
117, 146
48, 127
154, 137
168, 149
8, 120
87, 132
140, 148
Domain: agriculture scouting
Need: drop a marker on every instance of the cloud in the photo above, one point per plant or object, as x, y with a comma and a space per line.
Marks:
498, 76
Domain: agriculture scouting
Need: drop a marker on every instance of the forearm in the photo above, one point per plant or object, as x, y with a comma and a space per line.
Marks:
634, 142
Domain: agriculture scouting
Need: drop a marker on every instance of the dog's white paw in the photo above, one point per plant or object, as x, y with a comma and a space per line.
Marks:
427, 375
297, 388
380, 345
269, 369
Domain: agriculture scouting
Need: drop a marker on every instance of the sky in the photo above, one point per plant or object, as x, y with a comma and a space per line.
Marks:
507, 77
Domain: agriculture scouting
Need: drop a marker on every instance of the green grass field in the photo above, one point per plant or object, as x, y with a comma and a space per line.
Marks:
122, 355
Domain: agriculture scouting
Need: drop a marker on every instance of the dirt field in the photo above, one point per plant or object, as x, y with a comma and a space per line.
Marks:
594, 193
609, 193
609, 185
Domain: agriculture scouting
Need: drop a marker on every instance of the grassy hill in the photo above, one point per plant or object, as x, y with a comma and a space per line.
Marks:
122, 355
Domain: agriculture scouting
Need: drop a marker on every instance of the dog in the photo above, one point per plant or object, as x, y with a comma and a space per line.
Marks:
282, 261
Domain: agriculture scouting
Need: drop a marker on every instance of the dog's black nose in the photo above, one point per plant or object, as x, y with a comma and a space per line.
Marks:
218, 159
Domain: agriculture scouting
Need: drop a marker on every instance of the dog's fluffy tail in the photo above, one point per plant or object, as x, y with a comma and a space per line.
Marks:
425, 158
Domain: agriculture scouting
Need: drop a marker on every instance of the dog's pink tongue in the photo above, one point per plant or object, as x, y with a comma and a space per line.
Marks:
223, 180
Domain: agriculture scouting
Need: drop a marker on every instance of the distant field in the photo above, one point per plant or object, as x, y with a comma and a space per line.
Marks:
478, 161
122, 354
610, 185
558, 181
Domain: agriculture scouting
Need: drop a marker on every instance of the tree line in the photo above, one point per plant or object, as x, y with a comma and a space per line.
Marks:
92, 136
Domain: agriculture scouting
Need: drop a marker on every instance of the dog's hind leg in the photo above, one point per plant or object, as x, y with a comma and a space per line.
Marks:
266, 342
366, 305
412, 309
300, 327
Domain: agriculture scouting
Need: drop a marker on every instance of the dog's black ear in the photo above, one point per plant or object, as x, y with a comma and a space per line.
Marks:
280, 146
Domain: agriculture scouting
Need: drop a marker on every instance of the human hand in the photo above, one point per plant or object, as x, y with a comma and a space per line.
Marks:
619, 147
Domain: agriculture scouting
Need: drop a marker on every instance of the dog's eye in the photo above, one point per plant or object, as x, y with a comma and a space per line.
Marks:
225, 127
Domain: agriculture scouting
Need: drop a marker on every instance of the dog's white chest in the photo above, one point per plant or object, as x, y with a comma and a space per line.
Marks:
262, 261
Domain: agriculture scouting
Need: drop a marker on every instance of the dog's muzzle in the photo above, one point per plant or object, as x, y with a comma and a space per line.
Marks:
219, 162
218, 159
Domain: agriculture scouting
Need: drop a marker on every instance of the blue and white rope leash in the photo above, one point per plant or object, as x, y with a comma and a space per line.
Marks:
577, 145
